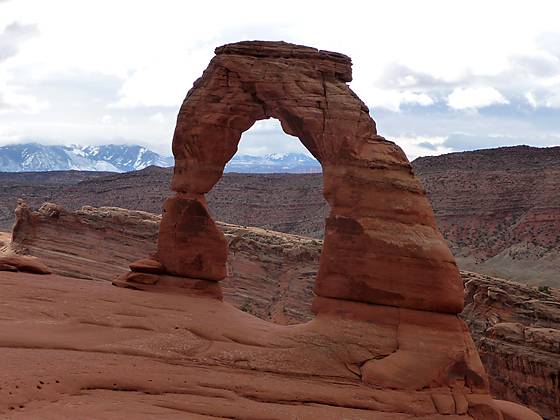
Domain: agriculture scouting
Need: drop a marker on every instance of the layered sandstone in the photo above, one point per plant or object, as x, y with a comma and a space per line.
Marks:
380, 223
517, 331
382, 251
499, 209
271, 274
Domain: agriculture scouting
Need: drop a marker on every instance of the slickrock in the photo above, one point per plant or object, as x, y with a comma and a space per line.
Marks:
383, 259
271, 275
80, 349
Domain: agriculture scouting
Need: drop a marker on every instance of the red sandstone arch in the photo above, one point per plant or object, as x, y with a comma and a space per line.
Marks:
381, 242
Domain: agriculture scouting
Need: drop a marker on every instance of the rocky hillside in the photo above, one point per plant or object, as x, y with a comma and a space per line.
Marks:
290, 203
516, 328
499, 209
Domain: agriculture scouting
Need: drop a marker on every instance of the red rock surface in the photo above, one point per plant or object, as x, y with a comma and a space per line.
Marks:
380, 223
23, 263
499, 209
517, 331
271, 276
80, 349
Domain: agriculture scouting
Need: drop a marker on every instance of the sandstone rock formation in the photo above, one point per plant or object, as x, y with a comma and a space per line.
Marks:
386, 341
271, 275
384, 265
23, 263
380, 221
499, 209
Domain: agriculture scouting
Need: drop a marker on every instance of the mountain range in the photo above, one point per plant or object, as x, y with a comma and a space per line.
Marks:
34, 157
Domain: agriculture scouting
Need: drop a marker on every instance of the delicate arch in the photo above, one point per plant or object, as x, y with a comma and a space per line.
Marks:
381, 242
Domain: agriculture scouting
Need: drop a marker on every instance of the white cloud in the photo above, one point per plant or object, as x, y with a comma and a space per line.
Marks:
416, 146
139, 70
158, 117
13, 36
106, 119
531, 100
393, 99
475, 97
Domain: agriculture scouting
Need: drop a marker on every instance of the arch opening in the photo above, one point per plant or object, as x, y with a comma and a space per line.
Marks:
272, 204
381, 243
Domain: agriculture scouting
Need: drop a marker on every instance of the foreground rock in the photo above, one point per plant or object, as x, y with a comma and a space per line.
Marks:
24, 264
80, 349
271, 276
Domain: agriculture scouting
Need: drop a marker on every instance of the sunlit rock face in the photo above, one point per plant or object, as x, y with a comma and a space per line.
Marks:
382, 245
387, 291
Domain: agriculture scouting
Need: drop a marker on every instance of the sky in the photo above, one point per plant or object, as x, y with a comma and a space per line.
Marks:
438, 76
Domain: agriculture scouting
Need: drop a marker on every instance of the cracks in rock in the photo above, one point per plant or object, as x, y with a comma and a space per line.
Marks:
324, 111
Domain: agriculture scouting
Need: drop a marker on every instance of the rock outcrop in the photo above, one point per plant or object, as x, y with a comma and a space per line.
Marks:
499, 209
271, 275
23, 263
384, 265
517, 331
380, 223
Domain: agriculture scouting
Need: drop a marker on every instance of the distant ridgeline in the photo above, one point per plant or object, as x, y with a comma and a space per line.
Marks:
33, 157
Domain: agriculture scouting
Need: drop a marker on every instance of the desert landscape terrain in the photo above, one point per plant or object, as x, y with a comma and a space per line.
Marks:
498, 209
286, 308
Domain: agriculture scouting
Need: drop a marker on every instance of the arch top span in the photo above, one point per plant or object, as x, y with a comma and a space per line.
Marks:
304, 88
381, 244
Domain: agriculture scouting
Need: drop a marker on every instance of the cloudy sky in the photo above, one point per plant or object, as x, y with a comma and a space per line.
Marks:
438, 76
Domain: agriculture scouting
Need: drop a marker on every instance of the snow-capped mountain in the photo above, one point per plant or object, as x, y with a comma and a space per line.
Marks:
33, 157
274, 163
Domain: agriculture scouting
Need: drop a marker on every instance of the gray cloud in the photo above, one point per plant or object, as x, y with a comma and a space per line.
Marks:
398, 76
13, 36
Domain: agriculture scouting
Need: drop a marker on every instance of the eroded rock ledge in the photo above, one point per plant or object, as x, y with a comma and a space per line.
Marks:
271, 276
